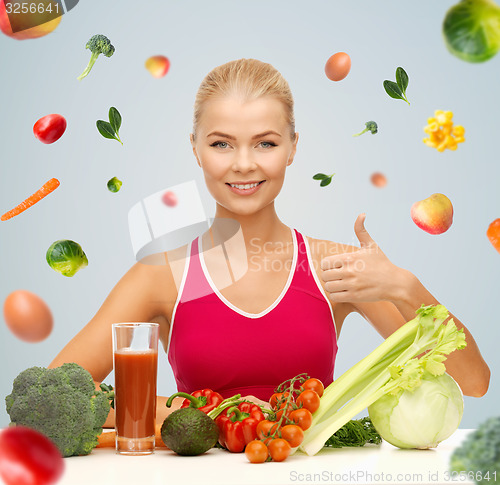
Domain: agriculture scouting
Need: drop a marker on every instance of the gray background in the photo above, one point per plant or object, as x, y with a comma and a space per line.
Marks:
460, 267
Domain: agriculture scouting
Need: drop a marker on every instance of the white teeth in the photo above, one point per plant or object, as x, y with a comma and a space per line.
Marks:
245, 186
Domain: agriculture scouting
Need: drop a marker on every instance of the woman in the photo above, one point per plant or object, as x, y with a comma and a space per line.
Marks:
282, 316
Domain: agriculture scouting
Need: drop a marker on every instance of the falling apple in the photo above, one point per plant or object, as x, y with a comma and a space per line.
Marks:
21, 26
157, 65
434, 214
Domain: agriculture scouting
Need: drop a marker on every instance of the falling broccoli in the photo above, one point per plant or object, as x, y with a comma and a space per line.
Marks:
370, 126
98, 44
63, 404
479, 454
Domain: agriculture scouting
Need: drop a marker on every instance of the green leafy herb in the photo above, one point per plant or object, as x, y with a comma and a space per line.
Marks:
397, 90
371, 126
325, 179
357, 432
114, 185
110, 129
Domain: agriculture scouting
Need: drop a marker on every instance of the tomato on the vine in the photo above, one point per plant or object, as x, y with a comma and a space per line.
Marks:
309, 399
256, 451
279, 449
277, 396
315, 385
293, 434
265, 428
302, 417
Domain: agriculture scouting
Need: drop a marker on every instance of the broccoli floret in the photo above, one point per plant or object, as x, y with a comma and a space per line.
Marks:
61, 403
480, 452
370, 126
98, 44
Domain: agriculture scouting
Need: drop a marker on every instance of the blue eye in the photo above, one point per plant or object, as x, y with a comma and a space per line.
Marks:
220, 144
268, 144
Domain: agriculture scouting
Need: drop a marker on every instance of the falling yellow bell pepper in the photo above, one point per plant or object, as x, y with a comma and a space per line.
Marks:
442, 133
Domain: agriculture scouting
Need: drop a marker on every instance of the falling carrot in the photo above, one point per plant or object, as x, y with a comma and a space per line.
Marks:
45, 190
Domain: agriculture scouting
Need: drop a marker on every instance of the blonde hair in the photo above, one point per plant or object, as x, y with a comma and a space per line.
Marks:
248, 78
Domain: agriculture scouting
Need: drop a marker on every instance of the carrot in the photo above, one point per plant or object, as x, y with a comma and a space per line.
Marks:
107, 439
45, 190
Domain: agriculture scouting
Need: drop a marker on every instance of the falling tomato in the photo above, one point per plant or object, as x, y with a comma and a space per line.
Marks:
169, 198
50, 128
27, 457
337, 67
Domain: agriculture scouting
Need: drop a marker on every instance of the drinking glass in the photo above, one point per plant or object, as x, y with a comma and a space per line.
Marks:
135, 362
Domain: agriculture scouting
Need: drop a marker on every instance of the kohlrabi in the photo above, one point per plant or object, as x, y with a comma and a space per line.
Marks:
399, 364
421, 418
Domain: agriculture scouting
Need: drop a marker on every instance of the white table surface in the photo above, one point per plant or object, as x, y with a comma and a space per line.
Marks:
382, 464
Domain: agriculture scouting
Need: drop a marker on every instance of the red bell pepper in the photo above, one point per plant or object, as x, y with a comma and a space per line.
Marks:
205, 400
238, 426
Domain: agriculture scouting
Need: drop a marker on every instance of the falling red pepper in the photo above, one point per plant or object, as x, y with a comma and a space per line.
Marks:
205, 400
238, 426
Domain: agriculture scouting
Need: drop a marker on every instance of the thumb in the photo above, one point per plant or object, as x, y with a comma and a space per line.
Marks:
361, 233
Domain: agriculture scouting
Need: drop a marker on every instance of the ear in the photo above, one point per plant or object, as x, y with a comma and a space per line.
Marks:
191, 139
294, 150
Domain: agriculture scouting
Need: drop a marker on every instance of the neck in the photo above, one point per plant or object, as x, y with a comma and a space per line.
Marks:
258, 228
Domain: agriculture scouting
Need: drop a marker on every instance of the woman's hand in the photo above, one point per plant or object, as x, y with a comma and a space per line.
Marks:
364, 275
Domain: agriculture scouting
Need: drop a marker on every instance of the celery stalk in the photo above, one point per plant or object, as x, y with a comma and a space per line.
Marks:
398, 363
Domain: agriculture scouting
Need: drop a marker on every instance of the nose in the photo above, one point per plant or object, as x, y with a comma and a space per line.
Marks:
244, 162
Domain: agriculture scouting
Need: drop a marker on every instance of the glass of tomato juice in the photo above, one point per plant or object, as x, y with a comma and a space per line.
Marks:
135, 362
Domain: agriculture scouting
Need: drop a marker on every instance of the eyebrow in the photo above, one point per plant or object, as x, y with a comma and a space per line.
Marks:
229, 137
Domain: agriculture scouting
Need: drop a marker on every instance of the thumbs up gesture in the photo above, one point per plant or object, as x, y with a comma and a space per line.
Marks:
363, 275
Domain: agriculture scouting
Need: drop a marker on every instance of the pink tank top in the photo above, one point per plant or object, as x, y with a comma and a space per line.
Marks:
215, 345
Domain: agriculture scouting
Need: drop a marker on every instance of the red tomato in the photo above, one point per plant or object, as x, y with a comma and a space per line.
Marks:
28, 457
277, 396
309, 399
301, 417
50, 128
256, 451
293, 434
169, 198
315, 385
279, 449
265, 428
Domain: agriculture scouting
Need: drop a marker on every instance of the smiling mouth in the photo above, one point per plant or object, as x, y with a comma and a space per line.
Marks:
245, 186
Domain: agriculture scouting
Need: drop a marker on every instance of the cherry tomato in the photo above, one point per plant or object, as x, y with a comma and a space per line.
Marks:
293, 434
279, 449
309, 399
277, 396
265, 428
315, 385
302, 417
169, 198
256, 452
50, 128
28, 457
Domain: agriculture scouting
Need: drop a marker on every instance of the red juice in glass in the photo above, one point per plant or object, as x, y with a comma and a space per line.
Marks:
135, 366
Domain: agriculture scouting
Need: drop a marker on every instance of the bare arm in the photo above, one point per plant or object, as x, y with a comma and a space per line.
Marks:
143, 294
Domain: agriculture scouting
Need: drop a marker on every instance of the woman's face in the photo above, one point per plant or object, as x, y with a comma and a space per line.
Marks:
243, 148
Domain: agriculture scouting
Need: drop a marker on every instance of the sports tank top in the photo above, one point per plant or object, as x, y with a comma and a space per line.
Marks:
213, 344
